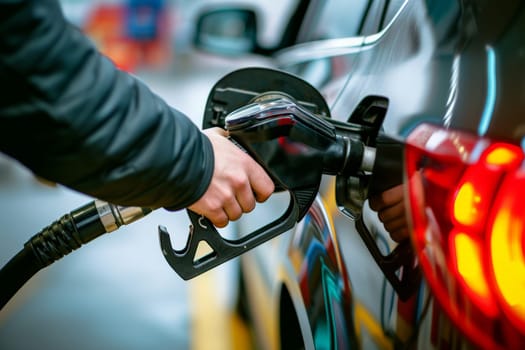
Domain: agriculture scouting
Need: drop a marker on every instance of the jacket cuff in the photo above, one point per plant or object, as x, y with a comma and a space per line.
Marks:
203, 179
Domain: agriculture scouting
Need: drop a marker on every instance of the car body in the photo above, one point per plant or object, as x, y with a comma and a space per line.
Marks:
457, 68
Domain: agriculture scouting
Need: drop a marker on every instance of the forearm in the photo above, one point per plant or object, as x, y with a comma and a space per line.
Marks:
71, 117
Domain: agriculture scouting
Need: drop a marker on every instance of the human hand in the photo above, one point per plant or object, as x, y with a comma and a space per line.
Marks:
237, 183
390, 208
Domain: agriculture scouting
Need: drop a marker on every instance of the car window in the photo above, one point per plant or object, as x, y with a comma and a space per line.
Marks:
391, 11
378, 15
340, 18
348, 18
371, 22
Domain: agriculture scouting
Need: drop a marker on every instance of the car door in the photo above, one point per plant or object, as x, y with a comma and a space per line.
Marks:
328, 62
326, 58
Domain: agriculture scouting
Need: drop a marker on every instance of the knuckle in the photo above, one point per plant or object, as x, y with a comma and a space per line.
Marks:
229, 199
239, 180
215, 208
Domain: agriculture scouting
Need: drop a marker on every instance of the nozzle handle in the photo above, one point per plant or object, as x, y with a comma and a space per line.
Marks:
260, 136
399, 266
186, 262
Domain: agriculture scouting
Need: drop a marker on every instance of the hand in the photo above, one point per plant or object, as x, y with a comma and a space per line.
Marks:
390, 208
237, 183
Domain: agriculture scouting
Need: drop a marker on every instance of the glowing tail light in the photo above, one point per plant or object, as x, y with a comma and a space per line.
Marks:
507, 248
467, 205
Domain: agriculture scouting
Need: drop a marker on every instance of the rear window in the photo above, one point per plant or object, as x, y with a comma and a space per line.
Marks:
347, 18
341, 18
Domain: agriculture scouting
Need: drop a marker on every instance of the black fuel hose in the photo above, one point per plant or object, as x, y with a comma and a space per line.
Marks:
16, 273
63, 236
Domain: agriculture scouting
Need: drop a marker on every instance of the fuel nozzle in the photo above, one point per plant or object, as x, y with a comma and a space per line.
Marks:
294, 145
284, 124
292, 138
297, 147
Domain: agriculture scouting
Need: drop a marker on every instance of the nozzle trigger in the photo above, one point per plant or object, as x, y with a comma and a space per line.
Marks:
185, 261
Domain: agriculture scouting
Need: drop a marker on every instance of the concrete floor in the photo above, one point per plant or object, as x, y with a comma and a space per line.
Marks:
117, 292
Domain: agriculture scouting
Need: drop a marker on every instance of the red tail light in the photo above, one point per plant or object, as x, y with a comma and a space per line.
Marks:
467, 206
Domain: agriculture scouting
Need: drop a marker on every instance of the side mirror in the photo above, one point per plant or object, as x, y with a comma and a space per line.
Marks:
227, 31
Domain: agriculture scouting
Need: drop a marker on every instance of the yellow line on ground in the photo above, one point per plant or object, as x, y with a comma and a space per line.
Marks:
208, 326
214, 326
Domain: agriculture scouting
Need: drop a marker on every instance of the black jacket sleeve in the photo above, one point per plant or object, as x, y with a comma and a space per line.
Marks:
70, 116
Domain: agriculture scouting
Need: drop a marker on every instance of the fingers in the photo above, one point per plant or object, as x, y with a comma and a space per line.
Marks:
229, 205
218, 219
245, 196
395, 222
390, 209
219, 207
212, 209
399, 235
392, 213
387, 198
233, 207
248, 186
237, 183
261, 184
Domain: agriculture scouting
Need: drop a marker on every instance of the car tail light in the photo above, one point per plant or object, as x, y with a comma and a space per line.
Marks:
467, 205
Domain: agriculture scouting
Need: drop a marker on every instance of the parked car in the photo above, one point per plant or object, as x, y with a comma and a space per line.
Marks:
448, 76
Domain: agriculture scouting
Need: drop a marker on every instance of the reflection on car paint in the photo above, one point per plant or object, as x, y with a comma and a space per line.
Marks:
323, 289
490, 102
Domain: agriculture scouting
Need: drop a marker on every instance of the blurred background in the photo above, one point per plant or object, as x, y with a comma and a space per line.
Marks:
118, 292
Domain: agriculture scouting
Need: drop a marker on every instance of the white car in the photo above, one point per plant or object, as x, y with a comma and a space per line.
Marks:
447, 77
